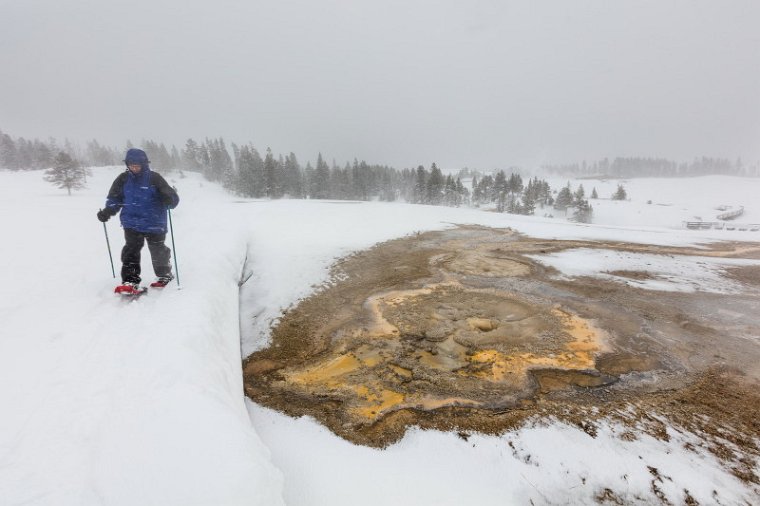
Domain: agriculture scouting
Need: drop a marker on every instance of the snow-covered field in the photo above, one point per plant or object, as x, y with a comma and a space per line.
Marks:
106, 401
668, 202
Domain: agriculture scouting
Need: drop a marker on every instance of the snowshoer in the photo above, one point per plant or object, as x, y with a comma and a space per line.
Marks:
143, 197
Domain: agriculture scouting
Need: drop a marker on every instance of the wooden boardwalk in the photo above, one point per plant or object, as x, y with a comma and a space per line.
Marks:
720, 225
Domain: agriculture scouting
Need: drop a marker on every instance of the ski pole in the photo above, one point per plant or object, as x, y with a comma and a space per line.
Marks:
108, 244
174, 248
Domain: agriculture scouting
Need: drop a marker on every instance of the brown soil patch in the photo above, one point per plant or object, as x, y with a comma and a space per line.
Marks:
749, 274
637, 275
460, 330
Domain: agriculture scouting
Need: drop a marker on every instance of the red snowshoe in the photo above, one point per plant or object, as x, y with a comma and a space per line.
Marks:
130, 289
162, 281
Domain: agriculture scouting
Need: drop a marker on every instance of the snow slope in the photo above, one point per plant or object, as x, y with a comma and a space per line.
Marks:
113, 402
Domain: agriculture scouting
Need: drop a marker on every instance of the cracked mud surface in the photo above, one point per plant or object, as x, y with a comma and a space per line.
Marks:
460, 330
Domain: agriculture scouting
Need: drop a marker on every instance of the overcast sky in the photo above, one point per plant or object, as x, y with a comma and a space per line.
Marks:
473, 83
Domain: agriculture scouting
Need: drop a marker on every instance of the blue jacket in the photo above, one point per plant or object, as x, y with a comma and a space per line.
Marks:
143, 199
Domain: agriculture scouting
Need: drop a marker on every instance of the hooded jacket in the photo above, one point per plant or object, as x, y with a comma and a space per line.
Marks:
142, 198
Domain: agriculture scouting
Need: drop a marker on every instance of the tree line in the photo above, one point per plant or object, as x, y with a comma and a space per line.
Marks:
242, 170
655, 167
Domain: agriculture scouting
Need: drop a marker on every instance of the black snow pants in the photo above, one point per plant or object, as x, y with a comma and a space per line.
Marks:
160, 254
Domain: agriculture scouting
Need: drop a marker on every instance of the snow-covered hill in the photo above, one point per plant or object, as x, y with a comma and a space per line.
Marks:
107, 401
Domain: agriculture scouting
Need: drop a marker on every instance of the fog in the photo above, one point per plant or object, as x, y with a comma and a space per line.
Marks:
482, 84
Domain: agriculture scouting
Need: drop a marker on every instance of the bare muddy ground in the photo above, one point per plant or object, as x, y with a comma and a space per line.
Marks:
460, 330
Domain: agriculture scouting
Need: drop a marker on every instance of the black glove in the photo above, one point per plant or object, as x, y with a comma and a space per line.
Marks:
170, 200
103, 215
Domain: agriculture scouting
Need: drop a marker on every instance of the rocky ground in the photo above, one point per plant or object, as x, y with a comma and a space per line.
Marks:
461, 330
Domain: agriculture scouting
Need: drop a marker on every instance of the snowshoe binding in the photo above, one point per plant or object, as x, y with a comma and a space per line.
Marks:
130, 289
162, 281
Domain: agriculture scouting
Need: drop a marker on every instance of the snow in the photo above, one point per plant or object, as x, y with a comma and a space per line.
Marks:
108, 401
111, 402
549, 463
670, 273
673, 200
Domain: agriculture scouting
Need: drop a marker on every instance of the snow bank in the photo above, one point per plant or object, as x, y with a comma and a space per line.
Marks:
550, 463
107, 401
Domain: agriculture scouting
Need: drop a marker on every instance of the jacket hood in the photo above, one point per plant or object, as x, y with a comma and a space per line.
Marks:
136, 157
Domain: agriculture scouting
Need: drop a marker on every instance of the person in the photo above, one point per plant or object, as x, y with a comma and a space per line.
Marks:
143, 197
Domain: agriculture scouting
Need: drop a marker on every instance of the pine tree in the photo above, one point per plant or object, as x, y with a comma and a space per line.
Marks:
66, 173
512, 205
475, 191
564, 198
175, 158
204, 160
217, 160
246, 185
515, 184
191, 155
620, 193
391, 192
579, 195
279, 177
229, 176
487, 189
271, 188
43, 154
293, 179
501, 188
340, 182
531, 191
251, 170
360, 180
528, 204
308, 181
321, 180
449, 192
545, 194
594, 195
157, 154
583, 212
435, 186
24, 154
8, 155
463, 196
420, 186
